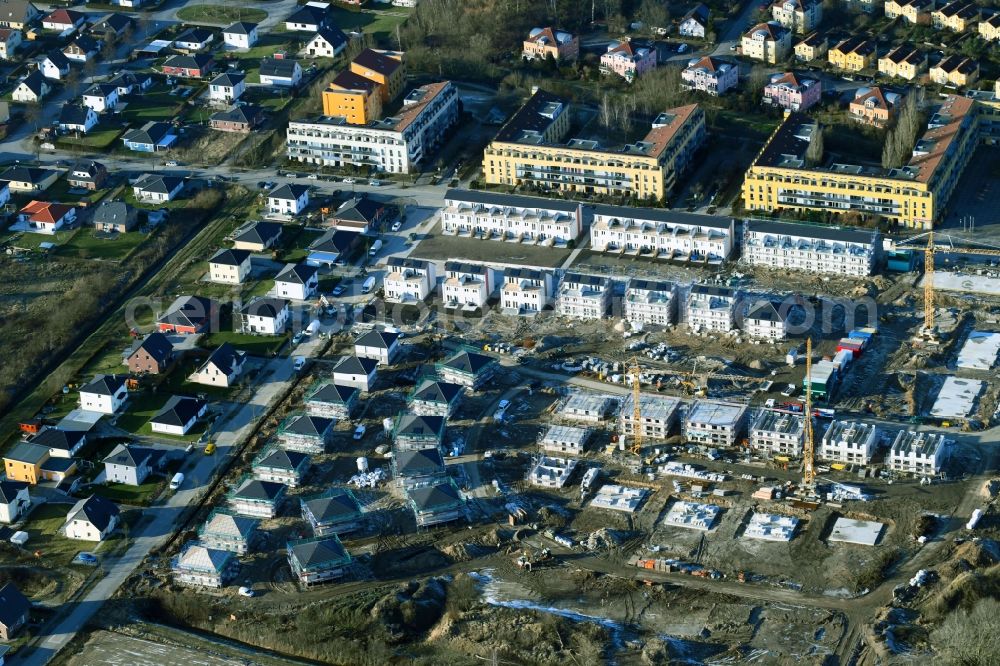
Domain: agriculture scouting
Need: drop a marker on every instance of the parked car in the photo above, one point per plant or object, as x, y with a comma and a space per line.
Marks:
313, 176
297, 338
246, 591
339, 290
349, 180
87, 558
503, 404
789, 391
397, 225
172, 163
210, 448
359, 432
375, 183
176, 482
300, 362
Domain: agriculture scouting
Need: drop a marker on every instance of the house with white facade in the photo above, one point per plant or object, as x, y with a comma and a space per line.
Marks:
711, 308
91, 519
178, 416
660, 233
325, 398
105, 394
408, 280
658, 415
326, 43
921, 453
264, 316
101, 97
710, 75
227, 87
765, 321
298, 282
584, 296
201, 566
383, 346
695, 22
467, 285
777, 433
225, 530
229, 266
15, 499
305, 433
851, 442
288, 200
357, 372
240, 35
432, 397
282, 72
494, 215
468, 368
255, 498
223, 367
128, 464
650, 302
281, 465
564, 439
831, 250
716, 423
525, 290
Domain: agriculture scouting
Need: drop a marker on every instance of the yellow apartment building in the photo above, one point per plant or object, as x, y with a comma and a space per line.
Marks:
385, 68
911, 11
903, 62
813, 47
956, 16
354, 97
989, 29
955, 70
853, 54
767, 42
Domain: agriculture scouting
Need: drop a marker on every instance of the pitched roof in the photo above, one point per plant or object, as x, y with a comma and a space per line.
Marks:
151, 182
7, 33
377, 62
905, 53
260, 232
178, 411
772, 31
128, 456
957, 63
419, 462
57, 59
307, 15
223, 523
335, 37
329, 392
881, 99
240, 28
111, 212
699, 13
13, 605
54, 438
335, 240
115, 21
157, 345
311, 553
45, 211
416, 424
437, 391
95, 509
226, 358
103, 385
75, 114
84, 44
439, 496
197, 61
229, 79
708, 63
254, 489
23, 174
469, 361
843, 234
197, 35
856, 44
380, 339
306, 425
34, 82
289, 191
101, 90
333, 505
27, 452
278, 458
243, 113
283, 68
17, 11
201, 558
296, 273
64, 16
359, 209
354, 365
764, 311
150, 133
264, 307
229, 257
9, 490
188, 311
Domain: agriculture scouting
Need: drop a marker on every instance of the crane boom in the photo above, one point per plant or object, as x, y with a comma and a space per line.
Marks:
929, 285
808, 453
636, 372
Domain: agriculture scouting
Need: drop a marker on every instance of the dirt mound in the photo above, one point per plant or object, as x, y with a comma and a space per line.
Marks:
963, 592
31, 581
412, 609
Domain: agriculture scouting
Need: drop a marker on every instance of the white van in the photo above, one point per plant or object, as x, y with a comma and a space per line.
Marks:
368, 285
176, 482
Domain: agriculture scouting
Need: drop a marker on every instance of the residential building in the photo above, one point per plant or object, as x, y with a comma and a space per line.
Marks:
584, 296
28, 179
792, 92
437, 504
913, 12
225, 530
529, 150
91, 519
307, 18
386, 68
799, 16
46, 217
989, 29
353, 97
82, 49
658, 415
91, 175
77, 118
913, 196
853, 54
333, 512
54, 65
60, 443
496, 216
196, 66
383, 346
904, 62
199, 565
150, 138
711, 308
957, 16
189, 315
15, 609
257, 236
874, 106
318, 560
305, 433
551, 472
151, 187
586, 407
152, 355
281, 466
240, 35
280, 72
288, 199
229, 266
710, 75
525, 290
433, 397
104, 393
649, 302
10, 40
564, 439
18, 14
468, 286
326, 43
768, 42
665, 234
418, 467
130, 83
818, 249
550, 42
412, 432
15, 499
357, 372
101, 97
812, 47
394, 144
920, 453
468, 368
227, 87
360, 214
255, 498
955, 70
194, 39
777, 433
335, 247
264, 316
851, 442
32, 88
297, 282
114, 24
178, 416
23, 462
241, 118
715, 423
408, 280
766, 321
223, 367
331, 400
695, 22
127, 464
628, 60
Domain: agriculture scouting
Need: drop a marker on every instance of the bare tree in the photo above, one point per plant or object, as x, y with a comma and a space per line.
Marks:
814, 152
971, 637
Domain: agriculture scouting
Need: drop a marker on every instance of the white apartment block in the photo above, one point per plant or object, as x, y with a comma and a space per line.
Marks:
408, 280
650, 302
665, 234
496, 216
564, 439
918, 452
715, 423
765, 321
711, 308
467, 285
848, 442
831, 250
395, 144
525, 290
777, 433
657, 414
584, 296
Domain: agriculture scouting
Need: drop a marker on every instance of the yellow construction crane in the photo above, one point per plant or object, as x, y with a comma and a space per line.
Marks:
929, 286
808, 450
636, 372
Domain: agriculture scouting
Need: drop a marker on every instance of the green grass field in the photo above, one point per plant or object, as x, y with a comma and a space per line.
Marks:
31, 241
101, 137
255, 345
154, 104
381, 24
141, 495
86, 245
221, 15
43, 530
140, 408
60, 191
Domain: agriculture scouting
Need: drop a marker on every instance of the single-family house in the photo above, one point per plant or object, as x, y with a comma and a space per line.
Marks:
222, 368
77, 118
264, 316
240, 35
128, 464
23, 462
131, 82
60, 443
792, 92
307, 18
115, 216
152, 355
54, 65
115, 24
227, 87
150, 138
82, 49
328, 42
257, 236
87, 175
225, 530
318, 560
28, 179
153, 187
550, 42
241, 118
229, 266
194, 39
411, 432
360, 214
288, 199
92, 519
695, 22
281, 466
195, 66
285, 73
10, 40
853, 54
31, 89
46, 217
305, 433
335, 246
383, 346
178, 415
189, 315
357, 372
333, 512
255, 498
331, 400
628, 59
18, 14
64, 19
298, 282
101, 97
433, 397
437, 504
467, 368
104, 393
15, 499
418, 467
15, 609
710, 75
199, 565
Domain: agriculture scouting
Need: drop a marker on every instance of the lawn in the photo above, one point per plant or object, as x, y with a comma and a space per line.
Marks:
259, 288
141, 407
101, 137
382, 24
255, 345
176, 382
221, 15
86, 245
31, 241
60, 191
43, 530
155, 104
141, 495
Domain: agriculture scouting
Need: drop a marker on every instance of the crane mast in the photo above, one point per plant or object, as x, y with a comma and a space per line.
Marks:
635, 371
929, 286
808, 452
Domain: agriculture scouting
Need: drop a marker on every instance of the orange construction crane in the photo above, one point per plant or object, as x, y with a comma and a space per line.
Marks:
636, 372
808, 451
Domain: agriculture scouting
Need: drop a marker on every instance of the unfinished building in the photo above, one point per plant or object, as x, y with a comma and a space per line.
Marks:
619, 498
771, 527
564, 439
317, 559
650, 302
850, 442
587, 407
204, 567
777, 433
918, 452
658, 415
859, 532
584, 296
957, 398
692, 515
436, 504
711, 308
979, 351
551, 472
715, 423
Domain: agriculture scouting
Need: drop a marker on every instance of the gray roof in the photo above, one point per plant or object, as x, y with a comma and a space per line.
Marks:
9, 490
178, 411
415, 424
440, 496
288, 191
27, 452
199, 35
226, 357
279, 68
663, 215
157, 345
197, 61
150, 133
437, 391
260, 232
188, 311
764, 311
95, 509
34, 82
313, 553
332, 505
418, 463
335, 37
354, 365
241, 28
469, 361
842, 234
296, 273
151, 182
279, 458
13, 605
54, 438
228, 257
103, 385
380, 339
335, 240
511, 200
58, 59
229, 79
307, 15
265, 306
333, 393
266, 491
17, 11
244, 113
128, 456
112, 212
306, 425
23, 174
229, 524
115, 21
74, 114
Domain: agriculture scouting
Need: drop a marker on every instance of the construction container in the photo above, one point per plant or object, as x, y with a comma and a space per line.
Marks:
862, 334
854, 346
843, 359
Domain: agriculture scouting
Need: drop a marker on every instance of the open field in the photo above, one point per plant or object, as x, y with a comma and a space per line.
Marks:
220, 14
